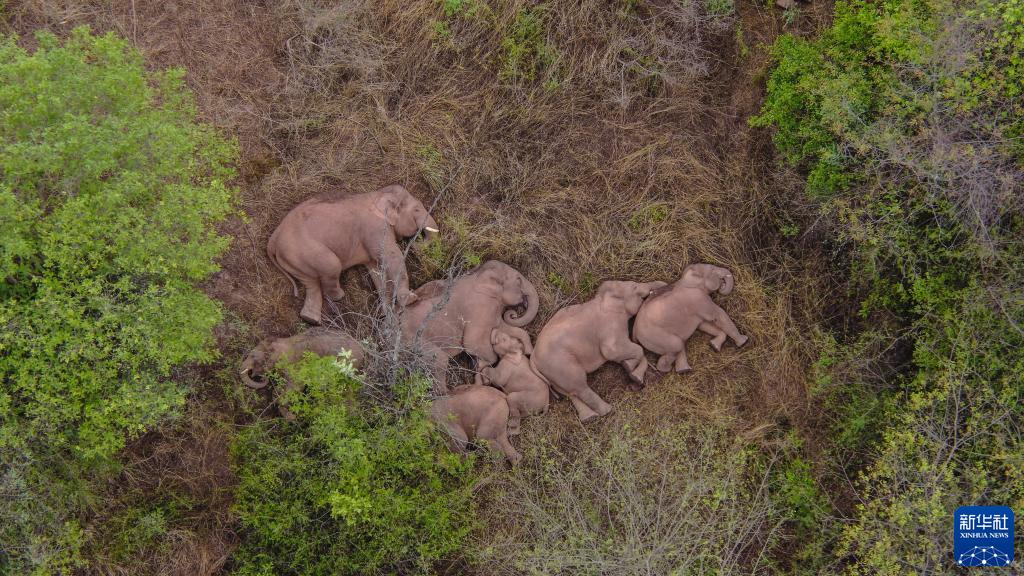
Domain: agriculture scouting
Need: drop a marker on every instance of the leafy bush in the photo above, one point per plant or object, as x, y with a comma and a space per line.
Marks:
904, 115
109, 194
352, 486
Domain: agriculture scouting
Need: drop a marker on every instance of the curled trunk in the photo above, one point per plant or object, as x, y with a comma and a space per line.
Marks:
532, 305
727, 282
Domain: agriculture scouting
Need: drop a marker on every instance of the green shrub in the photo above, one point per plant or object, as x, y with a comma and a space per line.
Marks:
109, 193
352, 486
525, 51
903, 115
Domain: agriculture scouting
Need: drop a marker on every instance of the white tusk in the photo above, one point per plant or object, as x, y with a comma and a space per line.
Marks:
245, 371
429, 229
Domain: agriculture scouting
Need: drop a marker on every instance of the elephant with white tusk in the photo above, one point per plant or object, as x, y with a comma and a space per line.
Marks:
668, 319
451, 317
267, 354
579, 339
319, 239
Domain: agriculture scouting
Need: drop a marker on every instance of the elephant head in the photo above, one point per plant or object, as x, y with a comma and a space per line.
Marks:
404, 213
505, 342
256, 363
512, 288
617, 295
709, 277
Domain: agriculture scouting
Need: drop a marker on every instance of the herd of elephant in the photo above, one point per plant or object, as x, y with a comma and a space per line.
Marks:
479, 313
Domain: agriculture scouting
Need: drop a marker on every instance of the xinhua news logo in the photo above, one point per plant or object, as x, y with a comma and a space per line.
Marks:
983, 536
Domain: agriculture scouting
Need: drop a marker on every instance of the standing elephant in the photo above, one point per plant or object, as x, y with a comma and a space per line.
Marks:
319, 239
268, 353
580, 338
476, 413
668, 319
450, 317
527, 392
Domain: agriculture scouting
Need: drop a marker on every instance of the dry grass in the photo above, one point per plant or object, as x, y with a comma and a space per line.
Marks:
625, 156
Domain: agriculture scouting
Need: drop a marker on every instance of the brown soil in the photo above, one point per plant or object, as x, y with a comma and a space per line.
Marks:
597, 169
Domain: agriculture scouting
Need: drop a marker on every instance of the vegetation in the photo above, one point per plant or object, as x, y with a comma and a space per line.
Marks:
353, 486
578, 142
907, 116
109, 195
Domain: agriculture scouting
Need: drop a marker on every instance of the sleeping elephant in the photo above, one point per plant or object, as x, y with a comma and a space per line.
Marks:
319, 239
579, 339
450, 317
668, 319
528, 394
267, 354
475, 413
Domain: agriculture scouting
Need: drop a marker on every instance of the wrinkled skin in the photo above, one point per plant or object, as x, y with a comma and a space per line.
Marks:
446, 320
527, 392
668, 319
318, 240
267, 354
475, 413
579, 339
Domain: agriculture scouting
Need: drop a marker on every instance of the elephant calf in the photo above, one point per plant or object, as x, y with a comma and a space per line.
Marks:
476, 413
667, 320
319, 239
320, 341
580, 338
527, 392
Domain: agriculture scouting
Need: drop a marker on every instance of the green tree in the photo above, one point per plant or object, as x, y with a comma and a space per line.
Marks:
110, 191
353, 486
906, 117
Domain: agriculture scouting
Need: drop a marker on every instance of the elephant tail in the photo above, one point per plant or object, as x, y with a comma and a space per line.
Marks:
533, 366
272, 254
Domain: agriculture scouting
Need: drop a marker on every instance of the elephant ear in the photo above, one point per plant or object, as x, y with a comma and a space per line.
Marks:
488, 283
388, 207
610, 300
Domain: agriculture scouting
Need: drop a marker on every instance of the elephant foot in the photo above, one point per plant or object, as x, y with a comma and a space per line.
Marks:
683, 367
311, 311
665, 363
742, 341
584, 418
634, 387
605, 410
638, 374
335, 294
310, 318
406, 298
717, 342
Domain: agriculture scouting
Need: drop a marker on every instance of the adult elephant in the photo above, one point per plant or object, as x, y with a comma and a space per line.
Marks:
449, 317
580, 338
319, 239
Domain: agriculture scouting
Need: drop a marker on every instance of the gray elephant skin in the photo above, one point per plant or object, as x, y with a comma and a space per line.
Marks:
475, 413
319, 239
320, 341
580, 338
527, 391
669, 318
448, 318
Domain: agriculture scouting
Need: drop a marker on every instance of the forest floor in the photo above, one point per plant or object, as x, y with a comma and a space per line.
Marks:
612, 145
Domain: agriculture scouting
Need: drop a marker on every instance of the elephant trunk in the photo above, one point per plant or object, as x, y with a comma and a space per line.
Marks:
430, 228
727, 282
246, 374
532, 306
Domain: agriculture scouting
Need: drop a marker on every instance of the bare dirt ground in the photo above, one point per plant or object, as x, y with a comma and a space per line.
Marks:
626, 156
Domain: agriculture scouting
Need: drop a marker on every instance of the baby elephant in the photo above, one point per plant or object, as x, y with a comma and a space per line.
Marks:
668, 319
269, 352
527, 392
580, 338
476, 413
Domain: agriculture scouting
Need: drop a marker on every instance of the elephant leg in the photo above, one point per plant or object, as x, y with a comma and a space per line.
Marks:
312, 308
583, 412
717, 334
397, 284
629, 354
515, 402
682, 363
439, 368
506, 447
597, 404
722, 320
